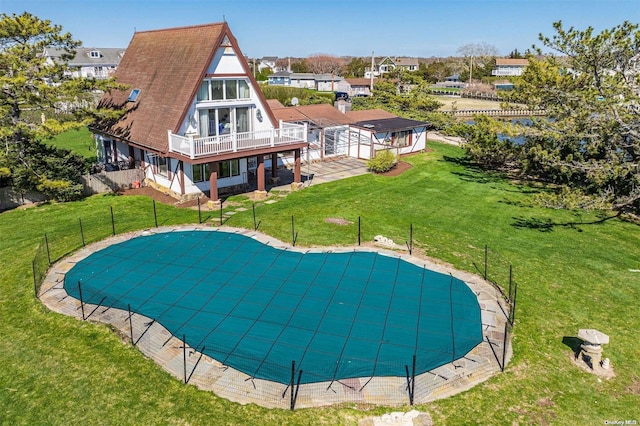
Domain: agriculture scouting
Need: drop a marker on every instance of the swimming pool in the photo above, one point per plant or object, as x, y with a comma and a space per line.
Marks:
257, 308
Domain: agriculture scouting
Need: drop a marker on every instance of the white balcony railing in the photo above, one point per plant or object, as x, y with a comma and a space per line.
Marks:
194, 147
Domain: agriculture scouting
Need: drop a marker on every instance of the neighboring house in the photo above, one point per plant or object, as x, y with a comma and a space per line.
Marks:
407, 64
327, 82
280, 78
306, 80
388, 64
355, 86
268, 62
358, 134
195, 119
451, 82
506, 67
98, 63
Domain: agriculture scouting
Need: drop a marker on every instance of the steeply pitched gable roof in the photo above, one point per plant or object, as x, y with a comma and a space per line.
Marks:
167, 66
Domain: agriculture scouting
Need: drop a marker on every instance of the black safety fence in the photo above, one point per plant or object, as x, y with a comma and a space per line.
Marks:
401, 381
79, 232
302, 384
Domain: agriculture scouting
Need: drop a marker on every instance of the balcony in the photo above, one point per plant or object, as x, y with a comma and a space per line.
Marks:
196, 147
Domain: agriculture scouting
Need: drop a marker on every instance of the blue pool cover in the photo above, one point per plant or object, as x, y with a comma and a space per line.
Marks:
256, 308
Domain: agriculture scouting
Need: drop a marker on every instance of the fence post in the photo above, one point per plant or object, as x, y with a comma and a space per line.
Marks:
81, 231
410, 238
155, 215
35, 280
199, 213
294, 234
130, 324
293, 377
413, 379
504, 345
113, 223
253, 208
220, 213
453, 337
81, 300
486, 257
510, 280
184, 356
359, 230
513, 305
46, 243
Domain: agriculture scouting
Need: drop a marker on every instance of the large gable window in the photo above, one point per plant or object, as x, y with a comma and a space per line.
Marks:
228, 89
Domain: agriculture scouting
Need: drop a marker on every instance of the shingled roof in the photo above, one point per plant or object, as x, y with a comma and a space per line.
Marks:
167, 66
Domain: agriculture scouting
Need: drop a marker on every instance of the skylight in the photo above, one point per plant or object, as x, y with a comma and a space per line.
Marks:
134, 95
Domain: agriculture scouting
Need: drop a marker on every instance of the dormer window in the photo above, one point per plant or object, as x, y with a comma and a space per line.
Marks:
134, 95
94, 54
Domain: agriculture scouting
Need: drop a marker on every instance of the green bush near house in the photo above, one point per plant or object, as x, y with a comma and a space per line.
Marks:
383, 161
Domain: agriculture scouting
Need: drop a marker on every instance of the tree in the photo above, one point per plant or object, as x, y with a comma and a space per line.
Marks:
324, 64
477, 55
31, 90
515, 54
355, 68
591, 140
300, 66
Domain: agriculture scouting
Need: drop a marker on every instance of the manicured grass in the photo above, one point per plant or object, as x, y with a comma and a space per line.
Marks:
79, 141
573, 270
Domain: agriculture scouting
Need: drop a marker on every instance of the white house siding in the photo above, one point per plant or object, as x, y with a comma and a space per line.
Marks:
226, 62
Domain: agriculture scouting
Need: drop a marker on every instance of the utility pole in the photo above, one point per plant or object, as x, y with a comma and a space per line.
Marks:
371, 73
470, 70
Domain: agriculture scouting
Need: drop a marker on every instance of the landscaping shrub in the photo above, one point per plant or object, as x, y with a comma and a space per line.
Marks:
382, 162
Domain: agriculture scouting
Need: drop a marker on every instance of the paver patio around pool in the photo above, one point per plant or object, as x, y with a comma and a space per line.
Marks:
153, 339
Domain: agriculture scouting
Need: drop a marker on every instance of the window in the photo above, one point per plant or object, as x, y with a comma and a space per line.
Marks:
402, 138
94, 54
231, 91
160, 164
243, 90
134, 95
201, 172
216, 90
229, 168
242, 119
203, 91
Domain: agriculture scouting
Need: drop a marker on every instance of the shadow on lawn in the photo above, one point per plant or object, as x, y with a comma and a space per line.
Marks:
573, 343
548, 225
477, 174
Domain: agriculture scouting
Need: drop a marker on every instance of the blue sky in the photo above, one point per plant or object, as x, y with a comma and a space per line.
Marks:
339, 27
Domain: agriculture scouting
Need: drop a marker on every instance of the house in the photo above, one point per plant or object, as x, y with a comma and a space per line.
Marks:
98, 63
355, 86
388, 64
280, 78
358, 134
194, 117
268, 62
306, 80
506, 67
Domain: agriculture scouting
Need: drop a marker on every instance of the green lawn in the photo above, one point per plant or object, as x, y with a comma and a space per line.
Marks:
79, 141
574, 271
